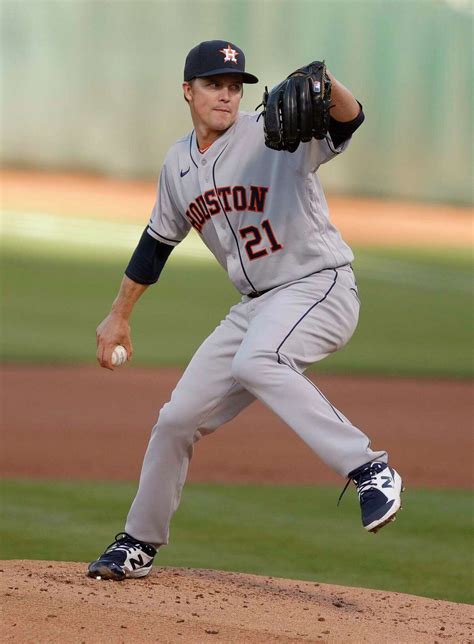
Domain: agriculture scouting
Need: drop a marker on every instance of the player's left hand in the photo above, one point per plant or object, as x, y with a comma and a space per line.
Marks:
297, 109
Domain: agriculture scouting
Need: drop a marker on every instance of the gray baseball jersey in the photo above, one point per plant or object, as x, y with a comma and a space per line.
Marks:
266, 219
263, 215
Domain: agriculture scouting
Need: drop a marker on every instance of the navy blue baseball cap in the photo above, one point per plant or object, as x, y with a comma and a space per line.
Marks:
215, 57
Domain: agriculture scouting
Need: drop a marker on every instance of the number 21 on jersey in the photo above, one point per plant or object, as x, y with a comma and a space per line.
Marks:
256, 244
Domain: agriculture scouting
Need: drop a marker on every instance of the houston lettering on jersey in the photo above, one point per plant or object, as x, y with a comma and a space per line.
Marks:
232, 199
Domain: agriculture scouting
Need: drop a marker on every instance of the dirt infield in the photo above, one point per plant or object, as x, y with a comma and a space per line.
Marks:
54, 416
197, 606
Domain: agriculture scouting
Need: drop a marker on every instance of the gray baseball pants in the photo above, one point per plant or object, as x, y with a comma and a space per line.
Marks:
260, 350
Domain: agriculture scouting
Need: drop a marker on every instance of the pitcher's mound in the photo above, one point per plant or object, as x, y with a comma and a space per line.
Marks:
46, 601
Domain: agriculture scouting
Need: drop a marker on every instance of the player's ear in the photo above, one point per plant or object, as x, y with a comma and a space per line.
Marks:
187, 90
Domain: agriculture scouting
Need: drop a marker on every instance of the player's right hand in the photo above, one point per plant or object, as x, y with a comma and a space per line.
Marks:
113, 330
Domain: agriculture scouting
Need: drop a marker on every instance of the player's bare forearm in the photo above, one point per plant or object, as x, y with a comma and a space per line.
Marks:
344, 106
129, 293
115, 328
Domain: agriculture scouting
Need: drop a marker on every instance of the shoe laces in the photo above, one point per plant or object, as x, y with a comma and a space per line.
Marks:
123, 541
343, 491
364, 481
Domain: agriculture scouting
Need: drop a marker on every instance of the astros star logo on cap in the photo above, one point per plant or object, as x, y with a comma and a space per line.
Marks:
230, 54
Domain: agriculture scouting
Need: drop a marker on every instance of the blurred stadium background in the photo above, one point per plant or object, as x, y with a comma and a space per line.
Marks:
91, 100
96, 85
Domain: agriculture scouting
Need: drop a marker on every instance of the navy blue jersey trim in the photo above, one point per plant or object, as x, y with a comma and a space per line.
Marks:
227, 219
342, 131
317, 389
280, 361
305, 314
324, 397
148, 259
138, 279
190, 148
162, 236
330, 146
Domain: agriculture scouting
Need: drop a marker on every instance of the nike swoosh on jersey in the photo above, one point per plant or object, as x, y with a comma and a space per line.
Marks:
183, 173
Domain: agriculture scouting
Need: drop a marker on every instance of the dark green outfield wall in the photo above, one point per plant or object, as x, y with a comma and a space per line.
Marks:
95, 84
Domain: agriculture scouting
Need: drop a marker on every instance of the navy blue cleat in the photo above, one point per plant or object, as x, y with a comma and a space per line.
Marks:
125, 558
379, 488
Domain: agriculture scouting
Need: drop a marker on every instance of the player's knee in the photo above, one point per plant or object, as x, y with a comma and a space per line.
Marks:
240, 368
250, 368
175, 421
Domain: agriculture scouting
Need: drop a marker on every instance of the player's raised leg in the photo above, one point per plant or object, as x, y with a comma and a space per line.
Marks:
291, 328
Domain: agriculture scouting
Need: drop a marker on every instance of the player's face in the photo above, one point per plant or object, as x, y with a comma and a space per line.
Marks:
214, 100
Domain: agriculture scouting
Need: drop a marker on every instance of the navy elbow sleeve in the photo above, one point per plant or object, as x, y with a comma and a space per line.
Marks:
340, 131
148, 260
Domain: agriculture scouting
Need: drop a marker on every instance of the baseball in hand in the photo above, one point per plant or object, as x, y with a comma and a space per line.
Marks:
119, 356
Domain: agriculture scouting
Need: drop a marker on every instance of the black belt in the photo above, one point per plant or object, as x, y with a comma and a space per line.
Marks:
258, 293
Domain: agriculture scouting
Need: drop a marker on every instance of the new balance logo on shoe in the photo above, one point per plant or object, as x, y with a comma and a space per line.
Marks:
136, 563
388, 481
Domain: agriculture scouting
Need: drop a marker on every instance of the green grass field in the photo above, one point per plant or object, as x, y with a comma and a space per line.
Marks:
416, 317
59, 277
294, 532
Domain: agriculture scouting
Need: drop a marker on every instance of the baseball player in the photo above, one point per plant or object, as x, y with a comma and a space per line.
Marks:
249, 187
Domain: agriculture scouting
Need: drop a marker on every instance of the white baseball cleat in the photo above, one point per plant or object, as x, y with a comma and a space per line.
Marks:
379, 487
126, 557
